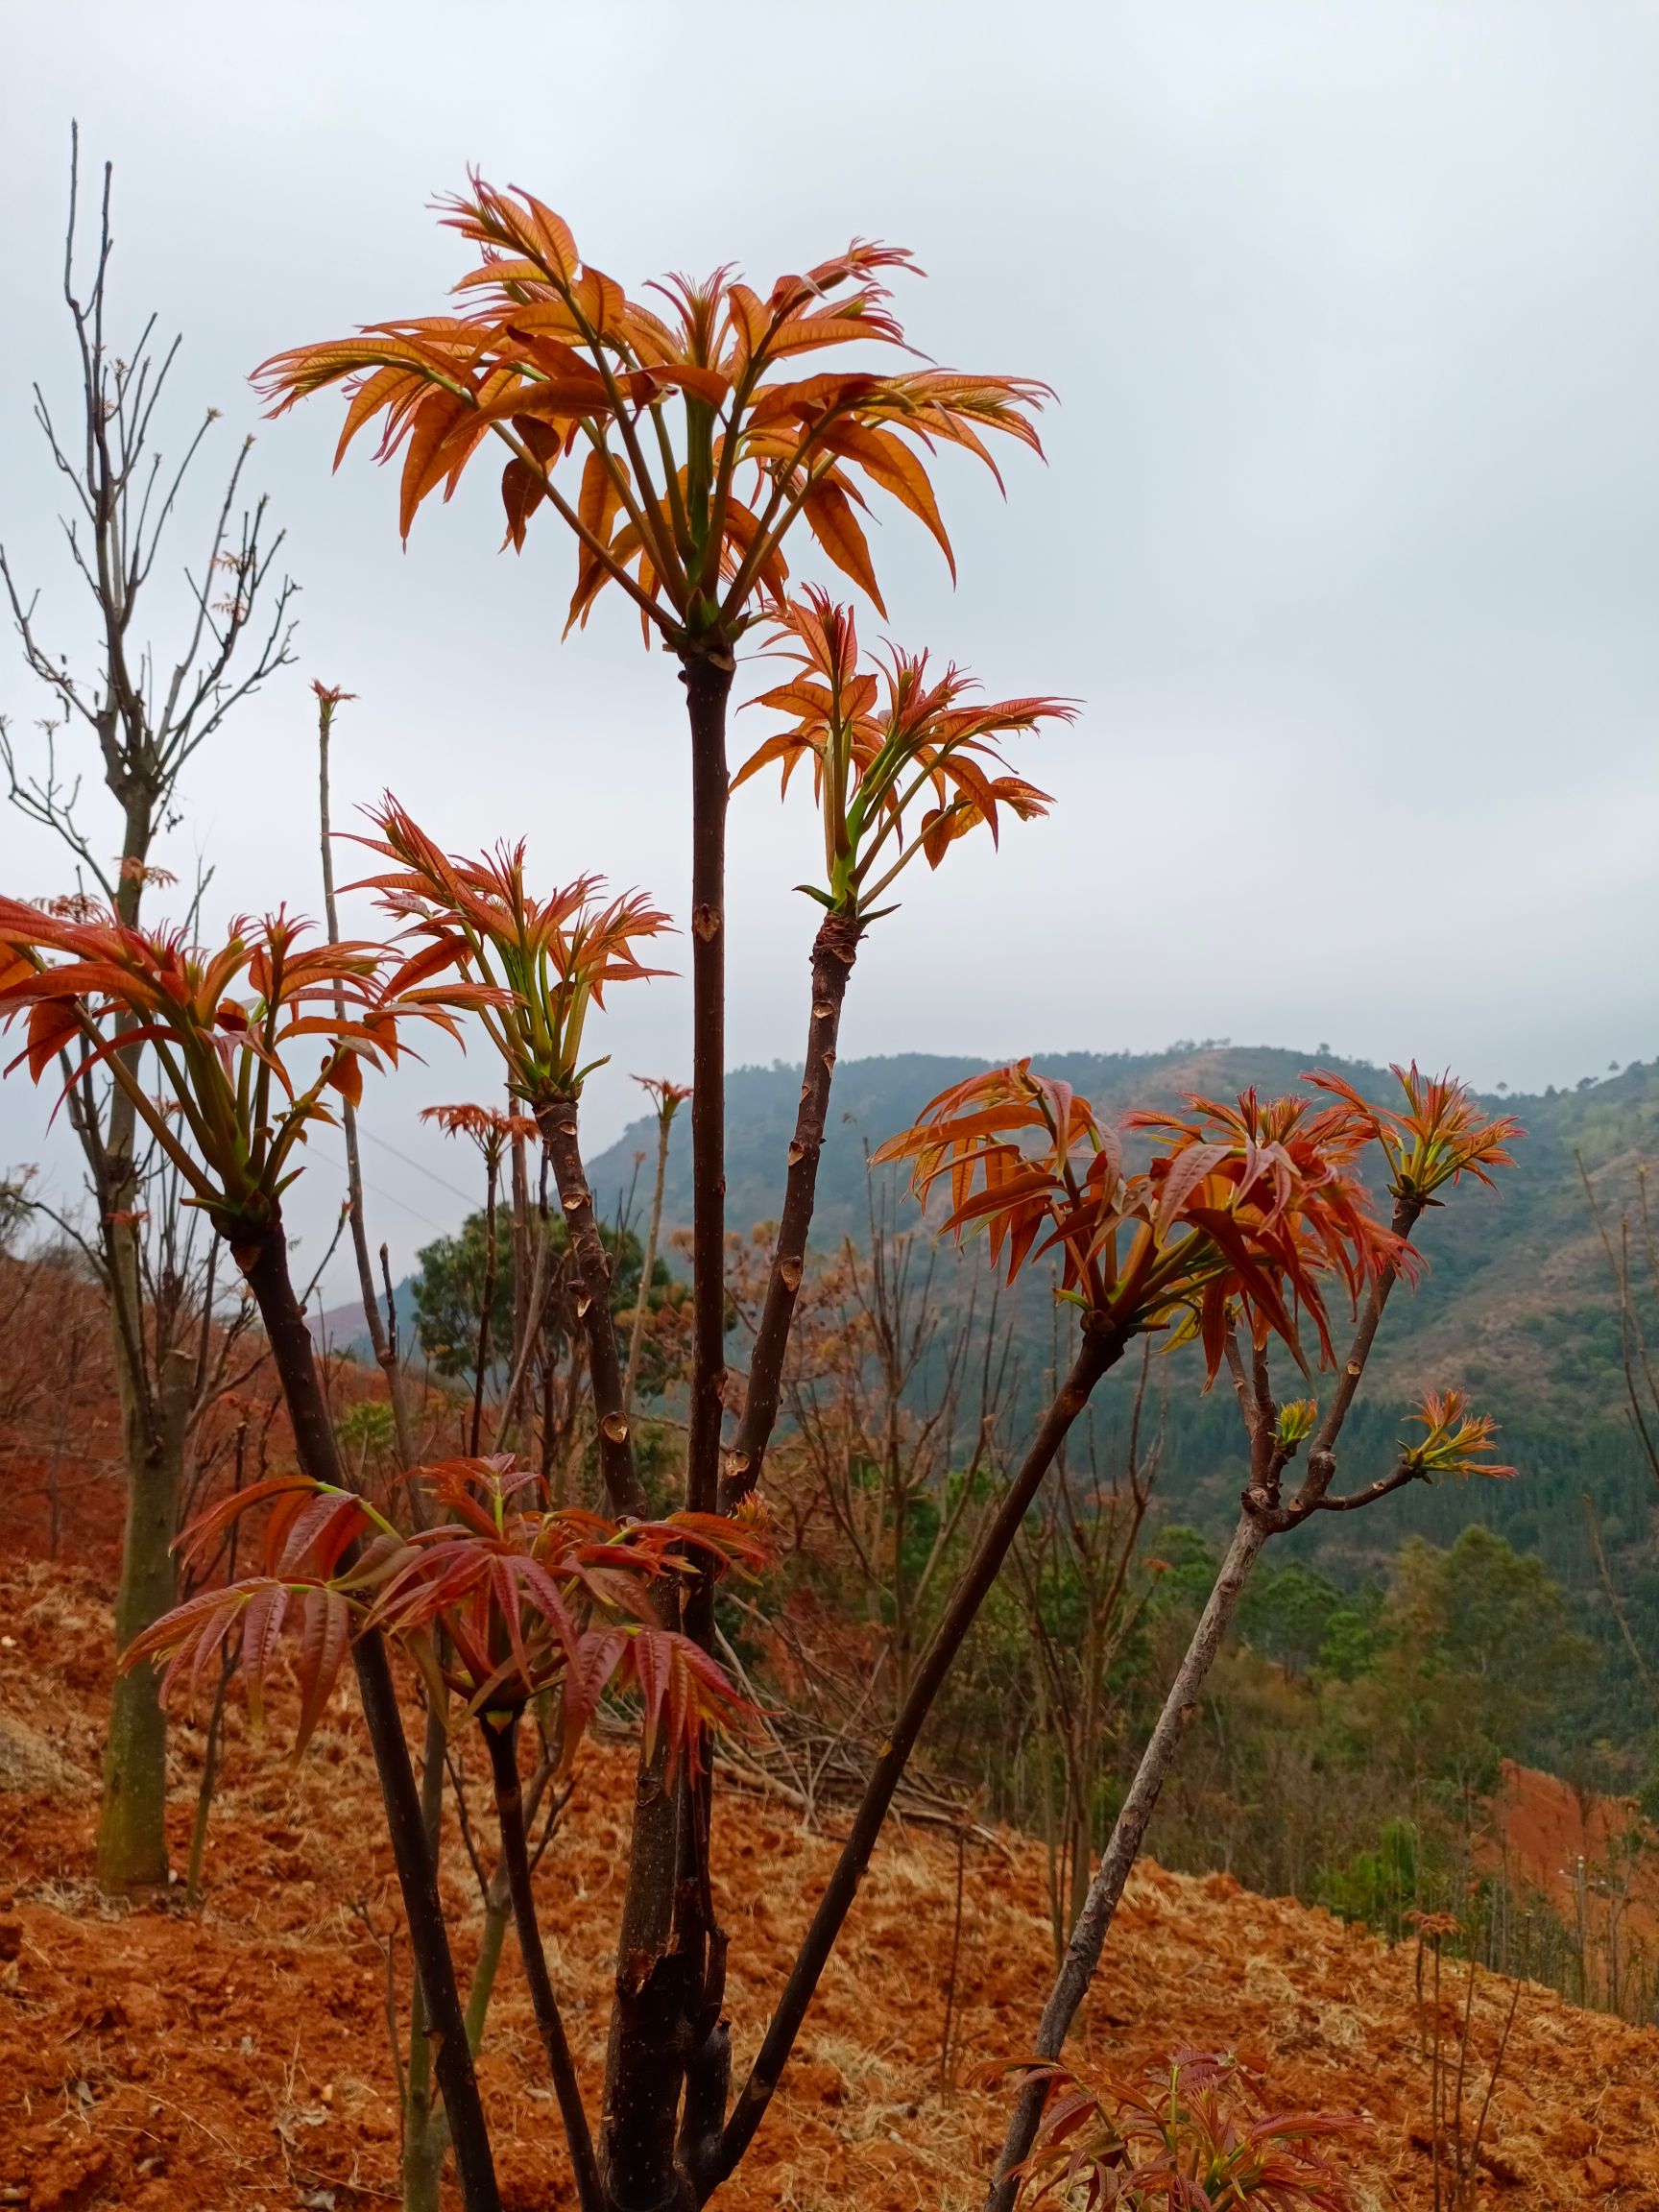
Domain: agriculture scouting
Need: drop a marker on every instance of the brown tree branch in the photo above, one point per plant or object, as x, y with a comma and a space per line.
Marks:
385, 1352
1262, 1516
1083, 1952
503, 1745
556, 1119
833, 952
1098, 1353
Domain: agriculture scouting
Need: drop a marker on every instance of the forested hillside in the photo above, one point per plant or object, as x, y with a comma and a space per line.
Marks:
1519, 1303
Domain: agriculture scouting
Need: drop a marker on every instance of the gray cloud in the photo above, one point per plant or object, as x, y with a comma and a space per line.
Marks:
1348, 538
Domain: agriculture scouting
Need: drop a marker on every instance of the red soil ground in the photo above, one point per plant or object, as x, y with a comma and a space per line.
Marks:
1548, 1829
236, 2059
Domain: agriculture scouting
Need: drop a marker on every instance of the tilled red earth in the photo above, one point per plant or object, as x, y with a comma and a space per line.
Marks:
238, 2059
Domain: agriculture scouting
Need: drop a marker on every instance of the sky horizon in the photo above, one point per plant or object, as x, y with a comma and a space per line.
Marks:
1347, 539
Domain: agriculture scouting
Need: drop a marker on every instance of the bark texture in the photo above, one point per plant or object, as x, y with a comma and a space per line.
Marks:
132, 1849
707, 687
558, 1123
650, 2016
132, 1846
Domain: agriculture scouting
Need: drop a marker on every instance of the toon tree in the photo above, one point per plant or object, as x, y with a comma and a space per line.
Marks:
685, 445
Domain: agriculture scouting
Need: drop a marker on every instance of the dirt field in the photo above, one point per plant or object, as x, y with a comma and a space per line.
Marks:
238, 2059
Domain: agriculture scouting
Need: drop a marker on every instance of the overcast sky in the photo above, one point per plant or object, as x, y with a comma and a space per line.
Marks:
1348, 539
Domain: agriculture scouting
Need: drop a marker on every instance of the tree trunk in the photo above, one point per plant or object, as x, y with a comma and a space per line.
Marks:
132, 1850
208, 1785
133, 1817
651, 2013
424, 2139
385, 1354
708, 688
667, 1940
424, 2148
664, 1944
484, 1305
498, 1912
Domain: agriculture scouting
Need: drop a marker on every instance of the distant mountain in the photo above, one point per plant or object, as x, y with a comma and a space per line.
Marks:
872, 1098
1517, 1305
341, 1329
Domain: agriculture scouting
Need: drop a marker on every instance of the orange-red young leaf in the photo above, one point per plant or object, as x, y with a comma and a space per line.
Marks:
1254, 1207
1454, 1442
700, 449
543, 962
888, 743
497, 1596
251, 1037
1440, 1134
1190, 2136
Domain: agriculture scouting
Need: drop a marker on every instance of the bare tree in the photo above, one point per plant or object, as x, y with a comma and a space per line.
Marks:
147, 715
